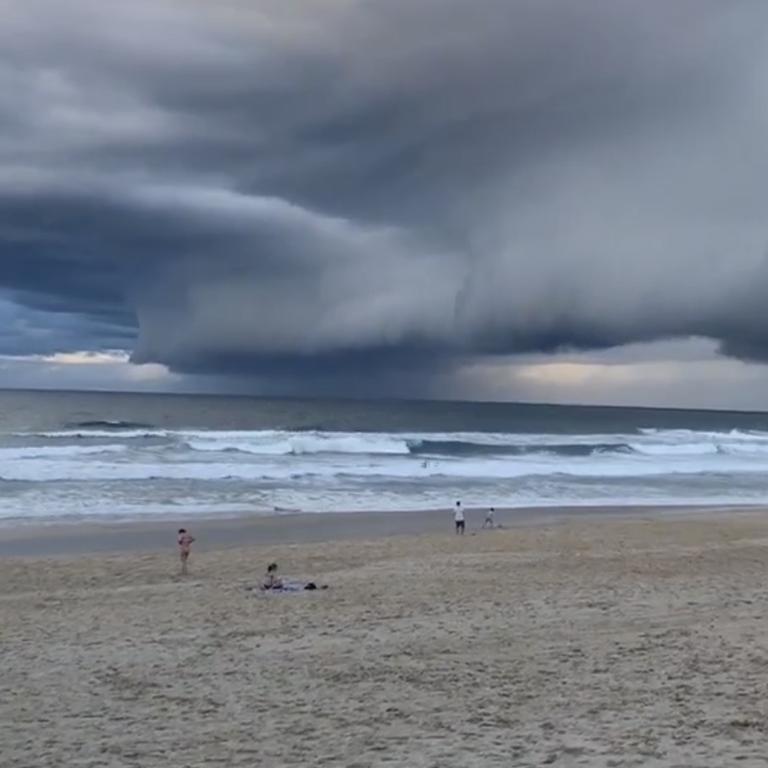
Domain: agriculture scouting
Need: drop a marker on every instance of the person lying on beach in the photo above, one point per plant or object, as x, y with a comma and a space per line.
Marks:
185, 547
272, 582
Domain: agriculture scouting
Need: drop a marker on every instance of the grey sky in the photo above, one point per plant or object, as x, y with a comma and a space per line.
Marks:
400, 196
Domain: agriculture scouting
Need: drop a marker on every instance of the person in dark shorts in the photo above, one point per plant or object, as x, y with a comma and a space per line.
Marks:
458, 518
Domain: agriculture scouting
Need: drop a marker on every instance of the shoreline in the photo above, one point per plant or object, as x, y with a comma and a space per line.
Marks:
73, 539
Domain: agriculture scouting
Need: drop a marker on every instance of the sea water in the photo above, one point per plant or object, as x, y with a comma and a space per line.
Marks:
74, 456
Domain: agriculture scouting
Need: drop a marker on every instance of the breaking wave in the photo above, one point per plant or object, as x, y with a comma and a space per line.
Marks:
102, 465
109, 424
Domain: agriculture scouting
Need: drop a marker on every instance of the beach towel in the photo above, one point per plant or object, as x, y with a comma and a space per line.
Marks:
288, 588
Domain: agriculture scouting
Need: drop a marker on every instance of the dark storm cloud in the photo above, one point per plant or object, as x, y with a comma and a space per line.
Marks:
349, 185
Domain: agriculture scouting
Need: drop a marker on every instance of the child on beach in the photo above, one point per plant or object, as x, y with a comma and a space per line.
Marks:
458, 518
185, 547
488, 522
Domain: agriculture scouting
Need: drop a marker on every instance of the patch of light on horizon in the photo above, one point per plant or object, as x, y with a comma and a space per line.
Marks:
104, 357
83, 369
113, 357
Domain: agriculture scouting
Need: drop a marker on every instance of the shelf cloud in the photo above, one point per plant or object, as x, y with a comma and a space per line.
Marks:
344, 187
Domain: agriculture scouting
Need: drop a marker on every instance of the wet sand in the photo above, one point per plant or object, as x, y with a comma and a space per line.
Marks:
594, 640
35, 539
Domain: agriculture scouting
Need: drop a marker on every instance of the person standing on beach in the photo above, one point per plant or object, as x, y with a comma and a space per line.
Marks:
488, 522
458, 518
185, 547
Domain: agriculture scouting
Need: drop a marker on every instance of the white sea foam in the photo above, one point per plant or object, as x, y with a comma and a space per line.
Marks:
76, 471
54, 451
614, 466
292, 442
275, 443
96, 434
672, 449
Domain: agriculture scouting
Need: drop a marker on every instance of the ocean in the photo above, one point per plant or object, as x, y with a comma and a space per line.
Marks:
113, 456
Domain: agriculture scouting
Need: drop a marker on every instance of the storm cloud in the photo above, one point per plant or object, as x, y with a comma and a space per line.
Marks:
346, 186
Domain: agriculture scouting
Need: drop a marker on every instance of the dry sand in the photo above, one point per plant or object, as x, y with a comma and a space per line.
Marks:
612, 643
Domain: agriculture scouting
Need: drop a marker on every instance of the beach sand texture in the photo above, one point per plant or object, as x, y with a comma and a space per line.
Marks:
618, 643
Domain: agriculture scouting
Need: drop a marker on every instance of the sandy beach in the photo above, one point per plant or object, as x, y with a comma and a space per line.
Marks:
588, 640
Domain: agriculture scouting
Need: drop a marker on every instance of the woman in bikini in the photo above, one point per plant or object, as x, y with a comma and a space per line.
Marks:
185, 547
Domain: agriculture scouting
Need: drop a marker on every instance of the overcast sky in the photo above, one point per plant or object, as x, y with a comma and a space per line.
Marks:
508, 199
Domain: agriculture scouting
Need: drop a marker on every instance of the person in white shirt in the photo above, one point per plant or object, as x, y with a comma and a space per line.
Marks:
488, 522
458, 517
